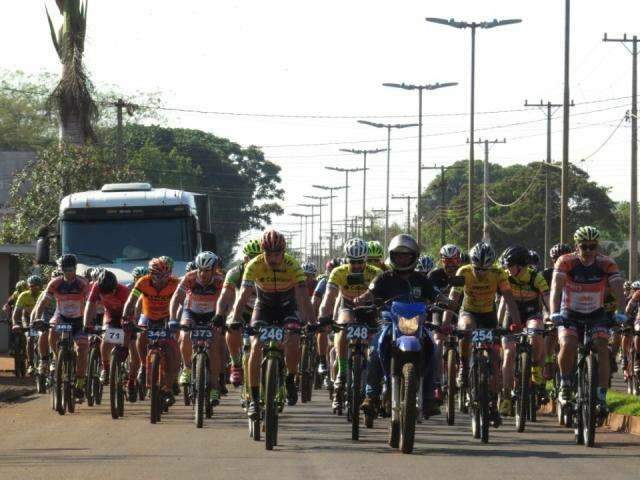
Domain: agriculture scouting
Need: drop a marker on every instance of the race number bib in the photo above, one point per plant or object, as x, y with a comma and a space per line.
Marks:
114, 336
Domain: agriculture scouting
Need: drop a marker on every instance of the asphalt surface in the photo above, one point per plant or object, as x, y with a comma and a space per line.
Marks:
36, 442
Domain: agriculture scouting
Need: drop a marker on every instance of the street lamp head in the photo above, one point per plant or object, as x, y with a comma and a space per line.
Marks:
405, 125
372, 124
499, 23
440, 85
404, 86
449, 23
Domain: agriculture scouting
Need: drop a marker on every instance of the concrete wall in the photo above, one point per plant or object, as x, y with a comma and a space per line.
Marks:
10, 164
8, 278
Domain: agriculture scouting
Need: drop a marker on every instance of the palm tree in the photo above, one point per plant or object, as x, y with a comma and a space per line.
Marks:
71, 98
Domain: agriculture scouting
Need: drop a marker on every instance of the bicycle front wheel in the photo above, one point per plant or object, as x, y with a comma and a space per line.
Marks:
356, 395
92, 376
270, 403
523, 369
113, 385
154, 373
408, 411
589, 414
451, 386
200, 389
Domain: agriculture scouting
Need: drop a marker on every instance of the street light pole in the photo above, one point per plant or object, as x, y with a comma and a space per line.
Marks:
364, 177
473, 26
319, 205
346, 193
388, 126
331, 197
420, 89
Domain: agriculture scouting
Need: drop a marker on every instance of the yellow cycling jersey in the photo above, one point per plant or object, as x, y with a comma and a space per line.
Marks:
26, 301
528, 285
282, 279
479, 292
340, 278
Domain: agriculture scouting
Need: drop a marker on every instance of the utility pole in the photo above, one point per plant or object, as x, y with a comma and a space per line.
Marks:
388, 126
633, 202
486, 234
420, 89
346, 171
301, 216
408, 198
443, 190
547, 180
331, 197
564, 182
306, 229
313, 214
364, 177
319, 205
120, 104
473, 26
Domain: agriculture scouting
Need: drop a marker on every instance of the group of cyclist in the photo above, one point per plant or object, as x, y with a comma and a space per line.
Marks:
478, 290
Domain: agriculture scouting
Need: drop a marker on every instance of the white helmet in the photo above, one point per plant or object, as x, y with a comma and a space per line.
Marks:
356, 249
450, 251
310, 268
206, 260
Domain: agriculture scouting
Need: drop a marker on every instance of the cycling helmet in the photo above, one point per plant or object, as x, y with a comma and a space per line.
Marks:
96, 273
252, 248
515, 255
273, 241
425, 264
482, 255
534, 258
34, 280
558, 250
159, 268
138, 272
635, 285
68, 262
587, 233
56, 273
464, 258
403, 243
310, 268
207, 261
356, 249
107, 281
190, 267
450, 251
375, 250
331, 264
88, 274
169, 261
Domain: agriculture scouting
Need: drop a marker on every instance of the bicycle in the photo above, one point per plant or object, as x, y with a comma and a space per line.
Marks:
525, 396
480, 373
632, 372
308, 363
201, 339
118, 369
20, 354
64, 377
93, 386
156, 367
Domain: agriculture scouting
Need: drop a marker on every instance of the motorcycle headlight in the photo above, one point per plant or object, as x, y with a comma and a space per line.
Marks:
409, 326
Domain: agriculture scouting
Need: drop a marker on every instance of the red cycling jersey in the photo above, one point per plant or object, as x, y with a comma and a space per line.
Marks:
113, 302
585, 285
70, 296
201, 298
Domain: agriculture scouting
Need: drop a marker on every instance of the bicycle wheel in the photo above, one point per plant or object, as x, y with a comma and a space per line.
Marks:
451, 386
589, 414
58, 389
113, 385
68, 374
92, 376
523, 372
474, 404
199, 394
408, 411
483, 400
270, 405
356, 395
305, 379
154, 373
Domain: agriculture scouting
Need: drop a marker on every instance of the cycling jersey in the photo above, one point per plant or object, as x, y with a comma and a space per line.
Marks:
350, 289
273, 285
70, 296
527, 287
234, 276
585, 285
155, 303
479, 293
439, 278
321, 287
391, 285
201, 298
26, 301
113, 302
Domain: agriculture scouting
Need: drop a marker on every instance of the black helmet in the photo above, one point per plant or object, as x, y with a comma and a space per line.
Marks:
190, 267
534, 258
107, 281
68, 261
515, 255
558, 250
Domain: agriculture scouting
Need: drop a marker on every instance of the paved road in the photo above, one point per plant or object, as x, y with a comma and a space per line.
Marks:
37, 443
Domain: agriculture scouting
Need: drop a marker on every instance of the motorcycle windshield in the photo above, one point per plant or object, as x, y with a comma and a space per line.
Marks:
409, 310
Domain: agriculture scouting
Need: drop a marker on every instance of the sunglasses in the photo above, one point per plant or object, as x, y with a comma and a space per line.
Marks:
588, 246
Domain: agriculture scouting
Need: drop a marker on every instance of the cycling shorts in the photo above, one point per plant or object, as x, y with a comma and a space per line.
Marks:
371, 319
191, 318
245, 320
487, 320
274, 315
599, 320
534, 322
77, 332
147, 322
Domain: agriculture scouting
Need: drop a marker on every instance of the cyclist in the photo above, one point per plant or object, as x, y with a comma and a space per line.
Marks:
534, 260
278, 281
70, 292
155, 289
7, 308
578, 290
375, 255
24, 304
199, 289
632, 313
232, 284
529, 288
323, 335
425, 264
106, 291
483, 280
347, 281
311, 273
402, 282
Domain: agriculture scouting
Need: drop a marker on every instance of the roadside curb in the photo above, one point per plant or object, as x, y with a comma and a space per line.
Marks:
14, 394
615, 421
